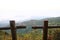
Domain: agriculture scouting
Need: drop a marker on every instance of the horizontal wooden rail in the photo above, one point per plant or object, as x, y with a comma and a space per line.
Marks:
7, 28
34, 27
40, 27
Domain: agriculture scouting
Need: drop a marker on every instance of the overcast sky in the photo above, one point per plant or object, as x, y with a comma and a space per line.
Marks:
28, 9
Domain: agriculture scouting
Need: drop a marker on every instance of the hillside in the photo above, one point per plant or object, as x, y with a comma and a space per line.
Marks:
30, 23
52, 21
38, 22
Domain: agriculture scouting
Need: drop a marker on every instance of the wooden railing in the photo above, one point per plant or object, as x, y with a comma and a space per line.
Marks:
13, 29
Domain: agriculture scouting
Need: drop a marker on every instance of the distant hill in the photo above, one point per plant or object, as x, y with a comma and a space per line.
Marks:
31, 23
52, 21
37, 22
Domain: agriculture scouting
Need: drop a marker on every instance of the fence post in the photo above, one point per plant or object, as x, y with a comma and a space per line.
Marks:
13, 30
45, 30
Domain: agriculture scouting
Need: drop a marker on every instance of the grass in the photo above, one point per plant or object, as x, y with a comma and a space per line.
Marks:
34, 35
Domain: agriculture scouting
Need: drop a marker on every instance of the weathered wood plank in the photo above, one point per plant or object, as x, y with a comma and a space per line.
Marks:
17, 27
34, 27
45, 30
13, 30
41, 27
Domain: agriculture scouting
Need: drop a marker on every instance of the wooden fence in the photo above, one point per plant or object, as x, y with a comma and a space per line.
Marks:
13, 29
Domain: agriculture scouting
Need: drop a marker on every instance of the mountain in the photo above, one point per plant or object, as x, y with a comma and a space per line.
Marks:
52, 21
31, 23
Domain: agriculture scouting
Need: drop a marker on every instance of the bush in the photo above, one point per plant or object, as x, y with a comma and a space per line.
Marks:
56, 35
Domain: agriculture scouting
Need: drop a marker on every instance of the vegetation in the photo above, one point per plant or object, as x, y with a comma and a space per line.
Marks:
56, 34
29, 34
36, 34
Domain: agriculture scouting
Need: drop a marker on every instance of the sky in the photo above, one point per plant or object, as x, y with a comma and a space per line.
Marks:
20, 10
